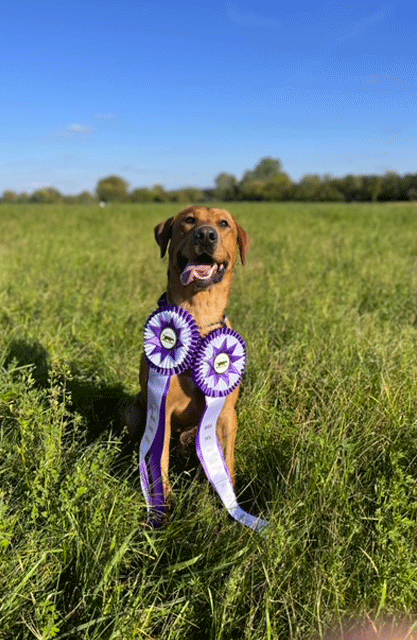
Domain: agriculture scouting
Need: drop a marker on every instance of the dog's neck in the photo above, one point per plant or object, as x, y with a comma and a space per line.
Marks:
203, 306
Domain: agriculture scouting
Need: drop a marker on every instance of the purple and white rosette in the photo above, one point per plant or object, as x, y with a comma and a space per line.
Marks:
218, 369
220, 363
171, 338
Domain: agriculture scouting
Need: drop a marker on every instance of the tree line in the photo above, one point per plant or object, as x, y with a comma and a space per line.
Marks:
266, 181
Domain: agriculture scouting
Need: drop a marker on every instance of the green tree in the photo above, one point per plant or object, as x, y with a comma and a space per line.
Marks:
351, 186
85, 197
279, 188
47, 195
329, 191
252, 190
112, 189
314, 188
192, 194
309, 188
158, 193
141, 194
391, 188
226, 186
410, 185
187, 194
371, 188
175, 195
265, 170
9, 196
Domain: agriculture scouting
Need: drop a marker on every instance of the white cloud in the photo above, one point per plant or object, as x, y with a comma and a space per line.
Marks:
76, 129
79, 128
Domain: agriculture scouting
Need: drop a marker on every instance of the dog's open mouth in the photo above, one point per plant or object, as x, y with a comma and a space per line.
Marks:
203, 271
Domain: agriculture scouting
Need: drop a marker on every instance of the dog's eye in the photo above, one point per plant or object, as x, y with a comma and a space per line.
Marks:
224, 223
190, 220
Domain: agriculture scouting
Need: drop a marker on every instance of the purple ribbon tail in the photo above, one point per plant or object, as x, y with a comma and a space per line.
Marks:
151, 466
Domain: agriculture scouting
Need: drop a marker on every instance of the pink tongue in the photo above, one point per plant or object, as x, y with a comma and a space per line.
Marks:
196, 272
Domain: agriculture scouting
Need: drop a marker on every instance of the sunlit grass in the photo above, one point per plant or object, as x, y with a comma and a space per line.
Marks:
327, 441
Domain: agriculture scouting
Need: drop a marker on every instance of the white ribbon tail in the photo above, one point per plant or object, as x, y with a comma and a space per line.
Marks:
211, 457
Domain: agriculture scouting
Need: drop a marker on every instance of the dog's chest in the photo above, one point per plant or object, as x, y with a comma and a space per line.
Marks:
187, 401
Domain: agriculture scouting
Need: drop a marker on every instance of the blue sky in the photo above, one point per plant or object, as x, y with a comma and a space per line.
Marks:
174, 93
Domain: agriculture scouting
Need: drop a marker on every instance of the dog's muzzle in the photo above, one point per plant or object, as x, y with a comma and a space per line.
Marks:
202, 269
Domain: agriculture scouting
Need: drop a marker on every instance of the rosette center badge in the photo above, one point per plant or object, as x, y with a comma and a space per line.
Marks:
221, 363
168, 338
171, 337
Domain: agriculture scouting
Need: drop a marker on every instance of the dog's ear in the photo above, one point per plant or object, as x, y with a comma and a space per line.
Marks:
244, 242
163, 234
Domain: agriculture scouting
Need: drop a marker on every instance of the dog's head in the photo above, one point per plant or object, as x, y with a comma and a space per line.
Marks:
204, 245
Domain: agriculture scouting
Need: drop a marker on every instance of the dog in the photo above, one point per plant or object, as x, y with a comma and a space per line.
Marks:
203, 245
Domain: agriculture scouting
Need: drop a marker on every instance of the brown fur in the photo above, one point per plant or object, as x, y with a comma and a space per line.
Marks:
185, 403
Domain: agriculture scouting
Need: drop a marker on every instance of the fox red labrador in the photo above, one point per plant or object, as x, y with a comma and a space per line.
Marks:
203, 245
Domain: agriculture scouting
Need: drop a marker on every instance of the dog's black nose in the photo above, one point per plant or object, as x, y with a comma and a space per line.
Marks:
206, 236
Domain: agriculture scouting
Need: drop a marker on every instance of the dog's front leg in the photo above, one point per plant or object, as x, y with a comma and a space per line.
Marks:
165, 460
226, 433
134, 418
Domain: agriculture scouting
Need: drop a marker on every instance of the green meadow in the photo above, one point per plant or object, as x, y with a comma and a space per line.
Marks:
327, 442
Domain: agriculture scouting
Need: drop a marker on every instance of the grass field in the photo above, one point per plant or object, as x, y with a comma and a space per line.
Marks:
327, 445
